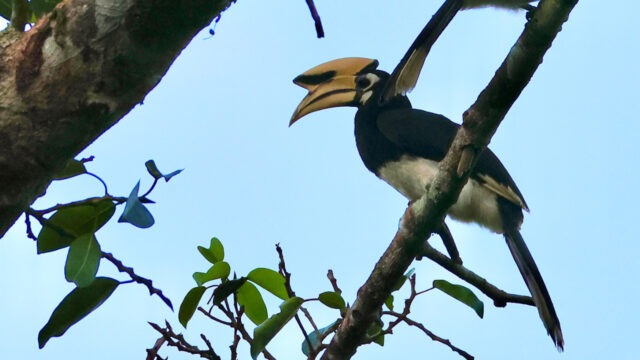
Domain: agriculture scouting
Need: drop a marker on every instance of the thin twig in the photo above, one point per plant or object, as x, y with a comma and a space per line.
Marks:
316, 18
400, 317
87, 159
45, 222
152, 353
104, 184
430, 334
178, 341
334, 282
500, 298
155, 181
287, 283
206, 341
139, 279
308, 316
234, 345
27, 222
208, 314
238, 326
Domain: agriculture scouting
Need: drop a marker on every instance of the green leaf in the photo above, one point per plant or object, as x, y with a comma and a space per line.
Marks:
78, 304
5, 9
269, 280
134, 212
83, 260
268, 329
379, 340
374, 332
219, 270
207, 254
461, 294
153, 169
189, 304
227, 288
41, 7
72, 168
254, 307
316, 337
172, 174
389, 302
86, 218
214, 253
332, 300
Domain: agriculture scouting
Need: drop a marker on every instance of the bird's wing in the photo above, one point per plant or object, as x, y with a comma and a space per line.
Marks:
405, 75
425, 134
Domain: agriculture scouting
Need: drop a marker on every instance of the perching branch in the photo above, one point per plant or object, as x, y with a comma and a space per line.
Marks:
425, 214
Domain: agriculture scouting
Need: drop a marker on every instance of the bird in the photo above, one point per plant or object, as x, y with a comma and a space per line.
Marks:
405, 76
403, 146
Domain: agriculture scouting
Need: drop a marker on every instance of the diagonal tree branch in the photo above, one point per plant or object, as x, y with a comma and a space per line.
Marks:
72, 76
423, 216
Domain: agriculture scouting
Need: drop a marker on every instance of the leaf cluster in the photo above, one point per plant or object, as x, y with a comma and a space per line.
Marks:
234, 297
74, 226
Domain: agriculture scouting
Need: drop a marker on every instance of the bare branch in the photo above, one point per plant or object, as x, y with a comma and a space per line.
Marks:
308, 316
287, 283
429, 333
208, 314
139, 279
316, 18
334, 282
152, 353
234, 346
500, 298
178, 341
27, 222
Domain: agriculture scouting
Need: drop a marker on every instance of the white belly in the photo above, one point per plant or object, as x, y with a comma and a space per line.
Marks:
476, 203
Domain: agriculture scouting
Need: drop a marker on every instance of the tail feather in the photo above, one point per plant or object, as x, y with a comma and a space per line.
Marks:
533, 279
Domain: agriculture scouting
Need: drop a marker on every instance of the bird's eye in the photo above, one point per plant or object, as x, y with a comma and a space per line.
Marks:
363, 82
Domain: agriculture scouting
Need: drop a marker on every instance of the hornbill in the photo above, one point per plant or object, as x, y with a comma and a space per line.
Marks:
403, 146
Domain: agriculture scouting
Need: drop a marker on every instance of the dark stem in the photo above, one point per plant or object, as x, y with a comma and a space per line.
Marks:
179, 342
155, 181
136, 278
316, 18
104, 184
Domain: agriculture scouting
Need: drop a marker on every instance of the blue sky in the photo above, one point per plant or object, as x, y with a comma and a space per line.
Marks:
222, 114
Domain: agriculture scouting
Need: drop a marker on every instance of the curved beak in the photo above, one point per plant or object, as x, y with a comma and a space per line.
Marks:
331, 84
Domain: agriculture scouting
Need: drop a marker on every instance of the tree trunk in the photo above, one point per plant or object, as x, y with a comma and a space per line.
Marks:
79, 70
